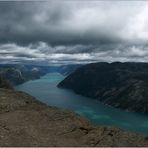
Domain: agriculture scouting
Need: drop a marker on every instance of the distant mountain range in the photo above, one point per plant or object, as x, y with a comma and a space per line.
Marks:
122, 85
11, 74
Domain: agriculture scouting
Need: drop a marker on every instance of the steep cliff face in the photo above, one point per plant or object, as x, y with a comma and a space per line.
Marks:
122, 85
24, 121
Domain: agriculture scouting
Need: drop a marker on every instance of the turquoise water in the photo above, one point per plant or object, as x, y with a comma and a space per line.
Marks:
46, 91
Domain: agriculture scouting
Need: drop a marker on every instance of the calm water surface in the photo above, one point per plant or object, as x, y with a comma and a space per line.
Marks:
45, 90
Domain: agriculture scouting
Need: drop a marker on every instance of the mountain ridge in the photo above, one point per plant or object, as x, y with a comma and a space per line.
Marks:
122, 85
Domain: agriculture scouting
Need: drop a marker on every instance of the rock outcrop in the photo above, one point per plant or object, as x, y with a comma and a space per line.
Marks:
5, 84
24, 121
122, 85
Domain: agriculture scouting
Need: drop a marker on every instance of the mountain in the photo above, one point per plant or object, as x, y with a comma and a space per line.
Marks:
5, 84
26, 122
122, 85
16, 74
68, 69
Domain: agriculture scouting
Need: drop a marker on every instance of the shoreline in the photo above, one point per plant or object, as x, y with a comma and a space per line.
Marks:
25, 121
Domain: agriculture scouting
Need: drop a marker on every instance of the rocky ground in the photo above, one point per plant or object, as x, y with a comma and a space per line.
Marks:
24, 121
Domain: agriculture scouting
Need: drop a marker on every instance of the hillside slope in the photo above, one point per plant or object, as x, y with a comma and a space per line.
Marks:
5, 84
122, 85
24, 121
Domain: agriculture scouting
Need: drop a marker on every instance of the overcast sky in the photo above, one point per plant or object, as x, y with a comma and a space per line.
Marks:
73, 31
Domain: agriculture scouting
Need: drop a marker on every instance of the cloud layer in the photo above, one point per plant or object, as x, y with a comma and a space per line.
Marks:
74, 31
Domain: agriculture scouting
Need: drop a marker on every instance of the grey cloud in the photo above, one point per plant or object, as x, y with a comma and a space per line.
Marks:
67, 22
44, 53
73, 31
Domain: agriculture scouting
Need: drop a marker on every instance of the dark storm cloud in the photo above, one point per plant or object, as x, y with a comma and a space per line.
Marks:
73, 31
25, 22
57, 23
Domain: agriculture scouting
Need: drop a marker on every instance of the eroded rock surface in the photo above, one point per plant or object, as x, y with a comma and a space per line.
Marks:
24, 121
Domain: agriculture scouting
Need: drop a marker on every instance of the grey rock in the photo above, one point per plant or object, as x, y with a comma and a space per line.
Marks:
24, 121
